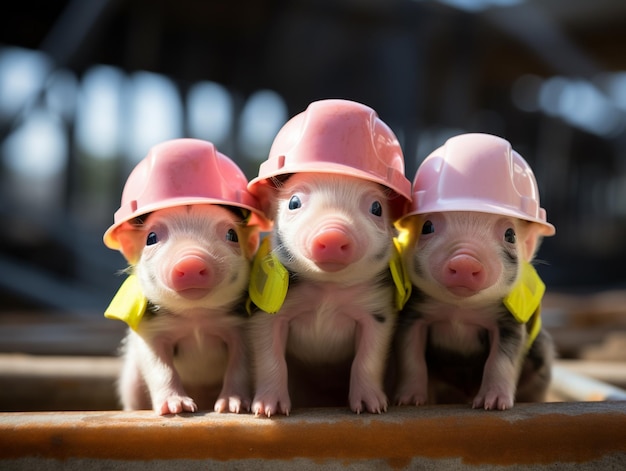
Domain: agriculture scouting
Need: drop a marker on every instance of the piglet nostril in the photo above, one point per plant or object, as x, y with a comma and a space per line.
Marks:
465, 271
190, 272
332, 245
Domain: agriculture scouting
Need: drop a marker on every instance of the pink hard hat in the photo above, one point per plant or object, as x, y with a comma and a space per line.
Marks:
338, 137
182, 172
478, 172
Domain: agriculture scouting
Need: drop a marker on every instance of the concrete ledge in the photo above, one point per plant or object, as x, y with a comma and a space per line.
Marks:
572, 386
57, 383
539, 436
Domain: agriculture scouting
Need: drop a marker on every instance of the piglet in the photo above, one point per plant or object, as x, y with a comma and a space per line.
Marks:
333, 234
333, 185
192, 265
188, 228
471, 329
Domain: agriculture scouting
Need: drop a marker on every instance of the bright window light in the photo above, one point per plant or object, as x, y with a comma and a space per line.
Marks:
210, 112
22, 74
38, 148
153, 113
263, 115
98, 126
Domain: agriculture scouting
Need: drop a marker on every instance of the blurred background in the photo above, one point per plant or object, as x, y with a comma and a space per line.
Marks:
87, 87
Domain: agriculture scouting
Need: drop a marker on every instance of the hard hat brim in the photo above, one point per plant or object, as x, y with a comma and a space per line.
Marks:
479, 207
110, 240
401, 187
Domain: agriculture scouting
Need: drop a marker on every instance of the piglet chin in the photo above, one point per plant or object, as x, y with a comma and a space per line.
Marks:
193, 294
462, 291
331, 267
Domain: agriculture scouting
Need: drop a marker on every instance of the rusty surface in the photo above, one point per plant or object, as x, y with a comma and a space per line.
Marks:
530, 434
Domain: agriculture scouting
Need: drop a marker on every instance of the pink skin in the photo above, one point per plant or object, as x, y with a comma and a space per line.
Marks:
192, 268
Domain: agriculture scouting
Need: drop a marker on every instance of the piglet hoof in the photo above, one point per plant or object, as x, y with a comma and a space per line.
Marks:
493, 399
269, 406
373, 401
411, 397
233, 403
176, 405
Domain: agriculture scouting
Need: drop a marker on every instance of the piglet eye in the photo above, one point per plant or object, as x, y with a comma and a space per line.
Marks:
509, 236
428, 228
231, 236
294, 202
152, 239
376, 209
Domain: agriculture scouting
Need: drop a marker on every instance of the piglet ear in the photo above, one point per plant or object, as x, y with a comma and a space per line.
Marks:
131, 241
533, 235
266, 196
250, 241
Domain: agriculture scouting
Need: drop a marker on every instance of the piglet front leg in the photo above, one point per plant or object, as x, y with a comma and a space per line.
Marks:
163, 382
372, 344
366, 395
234, 395
175, 403
270, 367
171, 398
413, 385
501, 372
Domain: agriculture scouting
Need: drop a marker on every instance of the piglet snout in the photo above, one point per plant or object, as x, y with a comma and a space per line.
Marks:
333, 248
191, 276
464, 275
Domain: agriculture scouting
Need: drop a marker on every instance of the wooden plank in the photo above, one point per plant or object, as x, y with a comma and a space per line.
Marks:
537, 436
